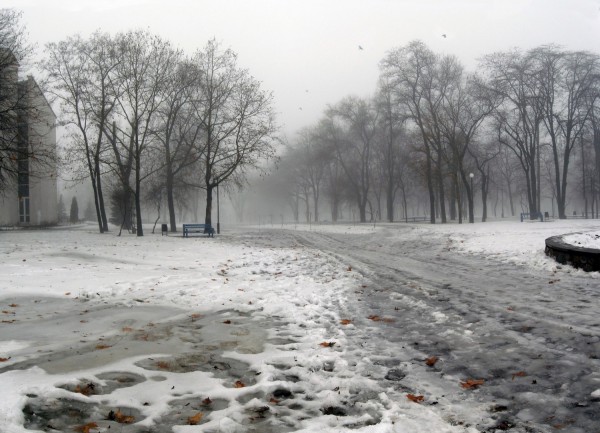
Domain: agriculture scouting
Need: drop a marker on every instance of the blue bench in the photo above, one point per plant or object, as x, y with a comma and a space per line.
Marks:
534, 215
205, 229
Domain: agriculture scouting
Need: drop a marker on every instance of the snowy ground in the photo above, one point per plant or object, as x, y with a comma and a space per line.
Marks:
253, 331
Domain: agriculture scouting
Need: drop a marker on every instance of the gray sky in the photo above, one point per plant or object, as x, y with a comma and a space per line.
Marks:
306, 51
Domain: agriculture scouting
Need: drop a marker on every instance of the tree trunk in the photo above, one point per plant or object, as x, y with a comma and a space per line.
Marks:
440, 179
102, 208
171, 203
208, 215
430, 189
389, 200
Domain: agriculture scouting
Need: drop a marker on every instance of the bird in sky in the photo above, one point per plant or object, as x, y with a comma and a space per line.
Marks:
300, 108
360, 48
444, 35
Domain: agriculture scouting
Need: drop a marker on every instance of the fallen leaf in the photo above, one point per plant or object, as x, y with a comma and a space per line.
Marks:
87, 427
127, 329
196, 316
194, 420
121, 418
431, 361
102, 346
273, 400
327, 344
4, 359
415, 398
206, 401
519, 374
67, 294
239, 384
349, 269
164, 365
376, 318
472, 383
13, 305
345, 321
87, 390
227, 322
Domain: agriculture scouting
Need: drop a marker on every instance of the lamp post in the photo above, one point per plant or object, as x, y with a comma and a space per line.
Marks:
218, 210
471, 175
472, 210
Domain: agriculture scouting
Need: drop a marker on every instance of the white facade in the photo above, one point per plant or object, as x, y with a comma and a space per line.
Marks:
31, 200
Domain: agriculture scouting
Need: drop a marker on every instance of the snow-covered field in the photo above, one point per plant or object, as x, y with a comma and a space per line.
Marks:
102, 333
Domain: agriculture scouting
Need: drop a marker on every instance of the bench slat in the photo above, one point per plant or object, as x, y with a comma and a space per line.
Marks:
198, 228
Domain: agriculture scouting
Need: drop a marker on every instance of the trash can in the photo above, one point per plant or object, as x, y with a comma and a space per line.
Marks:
164, 230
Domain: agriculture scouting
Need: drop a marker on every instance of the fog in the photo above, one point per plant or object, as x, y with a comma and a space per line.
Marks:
312, 54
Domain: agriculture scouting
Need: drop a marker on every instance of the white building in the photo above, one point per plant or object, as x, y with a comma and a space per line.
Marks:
30, 197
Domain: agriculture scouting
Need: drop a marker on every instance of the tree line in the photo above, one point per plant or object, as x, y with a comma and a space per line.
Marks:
149, 123
433, 132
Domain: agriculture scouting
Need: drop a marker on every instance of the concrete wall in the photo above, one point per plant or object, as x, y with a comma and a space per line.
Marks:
41, 133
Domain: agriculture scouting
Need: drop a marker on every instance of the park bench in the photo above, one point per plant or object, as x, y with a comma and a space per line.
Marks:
414, 219
535, 215
199, 229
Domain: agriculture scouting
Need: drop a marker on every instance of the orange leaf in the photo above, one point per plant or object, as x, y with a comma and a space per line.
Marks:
87, 427
519, 374
431, 361
239, 384
4, 359
206, 401
376, 318
327, 344
472, 383
102, 346
86, 390
163, 365
196, 316
273, 400
121, 418
345, 321
13, 305
415, 398
194, 420
127, 329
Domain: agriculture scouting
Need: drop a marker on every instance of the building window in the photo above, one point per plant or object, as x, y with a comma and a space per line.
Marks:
24, 210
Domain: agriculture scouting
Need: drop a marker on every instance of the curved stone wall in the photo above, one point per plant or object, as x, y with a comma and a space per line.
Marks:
587, 259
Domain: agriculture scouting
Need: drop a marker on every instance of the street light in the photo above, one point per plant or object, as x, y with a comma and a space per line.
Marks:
471, 175
218, 210
472, 204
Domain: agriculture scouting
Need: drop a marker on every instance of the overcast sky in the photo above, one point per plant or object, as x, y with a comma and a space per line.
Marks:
307, 51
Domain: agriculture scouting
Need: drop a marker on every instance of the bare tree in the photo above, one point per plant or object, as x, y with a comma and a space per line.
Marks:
236, 117
420, 79
176, 128
80, 74
566, 81
352, 131
19, 102
518, 119
140, 77
390, 150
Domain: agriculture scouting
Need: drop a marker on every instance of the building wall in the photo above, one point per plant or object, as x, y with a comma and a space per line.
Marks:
9, 205
37, 131
43, 189
9, 202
